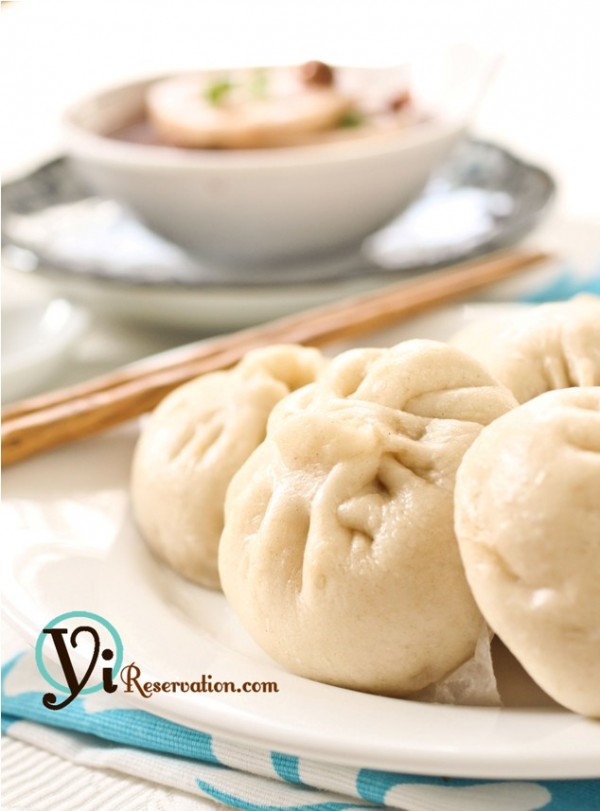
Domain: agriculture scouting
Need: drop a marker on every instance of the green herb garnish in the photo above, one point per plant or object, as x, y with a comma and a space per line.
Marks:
351, 119
218, 91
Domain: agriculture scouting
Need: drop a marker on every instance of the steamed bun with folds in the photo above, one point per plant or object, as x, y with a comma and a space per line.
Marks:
528, 526
195, 441
553, 346
338, 553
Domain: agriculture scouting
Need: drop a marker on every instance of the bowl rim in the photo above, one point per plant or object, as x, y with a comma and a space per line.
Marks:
82, 141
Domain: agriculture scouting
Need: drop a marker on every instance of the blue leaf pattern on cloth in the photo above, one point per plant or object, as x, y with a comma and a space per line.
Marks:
564, 286
286, 766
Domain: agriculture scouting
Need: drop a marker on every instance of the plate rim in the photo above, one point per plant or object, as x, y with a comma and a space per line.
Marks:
443, 760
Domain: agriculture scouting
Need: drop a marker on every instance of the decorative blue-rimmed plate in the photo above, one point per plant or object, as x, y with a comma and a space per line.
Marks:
94, 250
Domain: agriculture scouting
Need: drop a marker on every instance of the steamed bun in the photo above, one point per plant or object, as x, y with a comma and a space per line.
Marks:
195, 441
528, 526
553, 346
338, 553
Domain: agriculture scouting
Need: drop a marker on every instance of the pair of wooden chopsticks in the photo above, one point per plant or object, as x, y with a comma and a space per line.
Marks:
44, 422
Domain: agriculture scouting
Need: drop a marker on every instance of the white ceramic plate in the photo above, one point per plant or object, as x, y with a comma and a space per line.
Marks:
36, 339
70, 545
